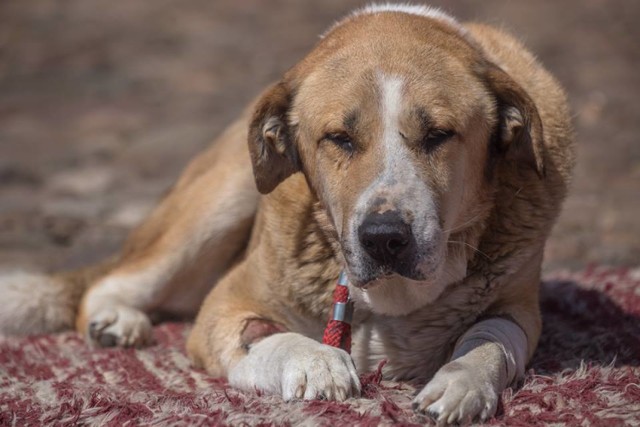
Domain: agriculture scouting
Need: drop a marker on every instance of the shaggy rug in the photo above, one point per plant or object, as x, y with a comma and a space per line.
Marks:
586, 371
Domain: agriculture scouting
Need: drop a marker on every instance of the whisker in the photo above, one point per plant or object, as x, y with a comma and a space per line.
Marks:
462, 225
472, 247
450, 274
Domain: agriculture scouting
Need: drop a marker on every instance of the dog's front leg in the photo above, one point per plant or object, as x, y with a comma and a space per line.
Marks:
489, 357
296, 367
240, 333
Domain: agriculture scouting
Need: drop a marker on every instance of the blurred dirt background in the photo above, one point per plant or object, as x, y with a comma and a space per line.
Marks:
102, 104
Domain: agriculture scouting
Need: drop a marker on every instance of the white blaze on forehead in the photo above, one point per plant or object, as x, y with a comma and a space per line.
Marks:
391, 105
396, 163
395, 156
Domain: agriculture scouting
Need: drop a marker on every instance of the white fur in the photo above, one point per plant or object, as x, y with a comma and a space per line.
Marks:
460, 391
140, 289
296, 367
411, 9
391, 89
400, 181
397, 296
33, 303
130, 327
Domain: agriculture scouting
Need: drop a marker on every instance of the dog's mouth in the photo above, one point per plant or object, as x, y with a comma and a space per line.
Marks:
364, 274
372, 283
374, 280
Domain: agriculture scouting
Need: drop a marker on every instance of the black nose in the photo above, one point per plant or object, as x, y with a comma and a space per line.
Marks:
385, 237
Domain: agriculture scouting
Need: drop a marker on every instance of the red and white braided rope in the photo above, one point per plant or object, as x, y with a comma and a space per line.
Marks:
338, 330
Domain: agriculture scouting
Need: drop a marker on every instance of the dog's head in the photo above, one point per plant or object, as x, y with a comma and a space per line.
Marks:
397, 120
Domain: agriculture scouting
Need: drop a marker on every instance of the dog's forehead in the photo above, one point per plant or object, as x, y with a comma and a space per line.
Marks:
431, 59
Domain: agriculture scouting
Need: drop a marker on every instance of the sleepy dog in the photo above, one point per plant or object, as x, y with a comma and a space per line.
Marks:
425, 158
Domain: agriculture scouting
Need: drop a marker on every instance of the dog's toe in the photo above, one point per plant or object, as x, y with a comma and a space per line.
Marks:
120, 326
457, 395
325, 378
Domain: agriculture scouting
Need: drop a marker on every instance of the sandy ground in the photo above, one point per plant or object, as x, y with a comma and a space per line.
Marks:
102, 104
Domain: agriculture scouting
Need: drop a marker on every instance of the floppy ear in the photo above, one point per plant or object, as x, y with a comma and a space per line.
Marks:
521, 134
273, 153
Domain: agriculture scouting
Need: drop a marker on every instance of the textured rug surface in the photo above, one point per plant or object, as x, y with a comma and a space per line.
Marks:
586, 371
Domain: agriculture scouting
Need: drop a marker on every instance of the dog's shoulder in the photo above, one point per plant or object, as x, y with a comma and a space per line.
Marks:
300, 259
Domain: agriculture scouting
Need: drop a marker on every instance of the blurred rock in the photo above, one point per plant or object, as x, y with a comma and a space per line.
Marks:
83, 182
130, 214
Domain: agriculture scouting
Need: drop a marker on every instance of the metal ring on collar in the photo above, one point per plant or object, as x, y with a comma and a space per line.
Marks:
343, 311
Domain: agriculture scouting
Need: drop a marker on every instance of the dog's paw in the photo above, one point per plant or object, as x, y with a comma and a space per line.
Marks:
119, 325
457, 394
297, 367
319, 373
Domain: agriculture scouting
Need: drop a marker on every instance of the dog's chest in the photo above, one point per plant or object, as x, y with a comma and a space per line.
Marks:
415, 346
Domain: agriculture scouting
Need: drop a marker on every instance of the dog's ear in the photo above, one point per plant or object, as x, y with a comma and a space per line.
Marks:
520, 129
273, 152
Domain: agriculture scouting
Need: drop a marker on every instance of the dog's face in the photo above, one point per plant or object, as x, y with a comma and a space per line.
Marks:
394, 120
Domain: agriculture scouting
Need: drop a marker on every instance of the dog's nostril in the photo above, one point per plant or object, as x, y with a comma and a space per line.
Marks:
394, 245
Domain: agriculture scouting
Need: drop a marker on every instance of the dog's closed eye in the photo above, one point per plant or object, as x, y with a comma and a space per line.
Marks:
340, 139
435, 137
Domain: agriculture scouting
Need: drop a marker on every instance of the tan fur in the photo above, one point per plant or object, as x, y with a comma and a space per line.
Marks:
496, 188
508, 224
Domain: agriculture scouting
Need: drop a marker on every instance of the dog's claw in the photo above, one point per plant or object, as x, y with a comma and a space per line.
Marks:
94, 332
434, 415
107, 340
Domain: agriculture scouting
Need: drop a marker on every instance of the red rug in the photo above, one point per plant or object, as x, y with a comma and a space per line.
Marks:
586, 371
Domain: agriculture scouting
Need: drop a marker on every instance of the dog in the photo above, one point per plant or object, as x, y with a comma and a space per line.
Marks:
426, 158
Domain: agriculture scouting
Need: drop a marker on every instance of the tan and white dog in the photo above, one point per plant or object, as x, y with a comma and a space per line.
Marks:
425, 157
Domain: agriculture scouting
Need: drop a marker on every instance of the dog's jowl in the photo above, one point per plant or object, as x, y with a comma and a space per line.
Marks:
425, 158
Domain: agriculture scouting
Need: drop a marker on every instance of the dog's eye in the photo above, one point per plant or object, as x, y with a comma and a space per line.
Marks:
341, 139
436, 137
